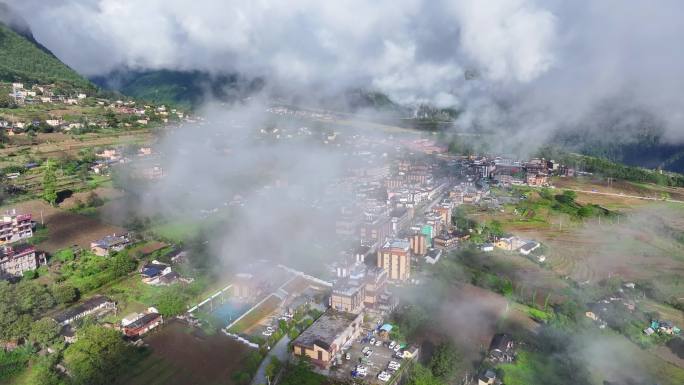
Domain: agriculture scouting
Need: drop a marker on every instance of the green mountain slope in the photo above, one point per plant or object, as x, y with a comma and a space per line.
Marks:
182, 88
22, 60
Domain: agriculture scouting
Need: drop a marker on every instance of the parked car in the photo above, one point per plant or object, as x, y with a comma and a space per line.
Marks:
368, 353
392, 344
383, 376
397, 348
347, 356
372, 341
378, 343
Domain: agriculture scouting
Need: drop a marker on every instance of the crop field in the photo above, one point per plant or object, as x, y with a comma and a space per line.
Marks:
621, 188
59, 145
64, 228
642, 241
181, 355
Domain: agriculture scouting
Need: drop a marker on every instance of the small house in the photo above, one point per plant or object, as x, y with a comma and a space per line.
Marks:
501, 349
109, 244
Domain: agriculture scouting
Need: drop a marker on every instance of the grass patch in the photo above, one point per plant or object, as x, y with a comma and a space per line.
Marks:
177, 231
535, 368
14, 363
256, 314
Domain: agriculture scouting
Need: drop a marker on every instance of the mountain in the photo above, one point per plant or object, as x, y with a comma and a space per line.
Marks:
183, 88
627, 135
23, 59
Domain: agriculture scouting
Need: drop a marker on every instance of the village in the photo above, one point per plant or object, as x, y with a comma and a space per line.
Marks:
401, 222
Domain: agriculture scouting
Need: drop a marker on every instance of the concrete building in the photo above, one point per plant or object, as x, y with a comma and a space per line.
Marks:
444, 211
510, 243
245, 285
376, 285
14, 261
326, 336
395, 257
348, 295
376, 230
401, 218
419, 244
15, 227
446, 241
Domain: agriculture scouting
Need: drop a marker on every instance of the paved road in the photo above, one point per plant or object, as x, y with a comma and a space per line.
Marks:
280, 351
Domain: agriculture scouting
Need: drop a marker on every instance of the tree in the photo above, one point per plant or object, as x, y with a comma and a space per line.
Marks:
445, 361
300, 373
122, 264
44, 331
421, 375
49, 182
97, 356
495, 229
64, 293
32, 297
171, 302
273, 367
568, 197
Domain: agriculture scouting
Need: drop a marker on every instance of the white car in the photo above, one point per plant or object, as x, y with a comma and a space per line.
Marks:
369, 353
360, 369
394, 365
347, 356
269, 329
399, 355
392, 344
365, 349
267, 333
383, 376
378, 343
372, 341
397, 348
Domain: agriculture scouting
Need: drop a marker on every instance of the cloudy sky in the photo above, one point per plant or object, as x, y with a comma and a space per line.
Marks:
554, 61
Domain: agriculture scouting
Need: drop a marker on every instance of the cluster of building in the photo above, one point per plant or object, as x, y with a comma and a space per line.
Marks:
138, 115
400, 218
45, 93
133, 325
17, 257
299, 113
508, 172
144, 163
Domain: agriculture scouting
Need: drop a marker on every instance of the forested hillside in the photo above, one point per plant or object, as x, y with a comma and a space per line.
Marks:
21, 60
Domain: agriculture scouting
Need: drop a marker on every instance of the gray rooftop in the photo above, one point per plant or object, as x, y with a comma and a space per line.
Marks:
325, 329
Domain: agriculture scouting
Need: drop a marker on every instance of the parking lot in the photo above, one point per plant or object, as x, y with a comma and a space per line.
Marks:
376, 362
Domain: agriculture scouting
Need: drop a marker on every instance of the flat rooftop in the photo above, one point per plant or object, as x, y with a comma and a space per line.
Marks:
325, 329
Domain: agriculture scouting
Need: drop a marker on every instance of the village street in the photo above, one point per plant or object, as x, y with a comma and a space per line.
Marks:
279, 351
